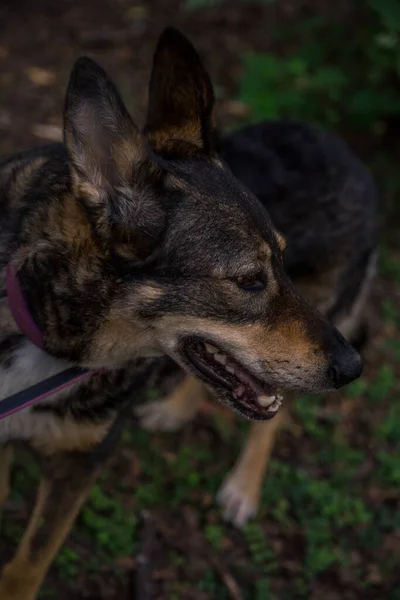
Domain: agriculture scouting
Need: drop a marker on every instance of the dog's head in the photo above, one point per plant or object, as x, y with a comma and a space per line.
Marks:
153, 247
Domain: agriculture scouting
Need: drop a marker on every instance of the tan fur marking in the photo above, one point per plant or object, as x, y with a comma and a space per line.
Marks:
149, 293
165, 136
72, 222
281, 241
115, 340
127, 154
72, 436
289, 341
250, 343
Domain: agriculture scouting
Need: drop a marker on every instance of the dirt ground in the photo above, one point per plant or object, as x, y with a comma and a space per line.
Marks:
330, 523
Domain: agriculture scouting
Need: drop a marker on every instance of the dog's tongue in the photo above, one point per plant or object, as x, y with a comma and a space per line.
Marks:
259, 388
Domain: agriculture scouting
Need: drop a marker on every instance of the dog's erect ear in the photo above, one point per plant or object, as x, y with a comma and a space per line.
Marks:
111, 170
103, 144
181, 98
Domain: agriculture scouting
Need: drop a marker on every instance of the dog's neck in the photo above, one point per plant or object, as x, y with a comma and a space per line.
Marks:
25, 322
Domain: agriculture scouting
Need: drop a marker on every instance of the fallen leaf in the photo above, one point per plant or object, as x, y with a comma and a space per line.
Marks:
52, 133
137, 12
374, 574
4, 52
127, 563
40, 77
237, 109
5, 119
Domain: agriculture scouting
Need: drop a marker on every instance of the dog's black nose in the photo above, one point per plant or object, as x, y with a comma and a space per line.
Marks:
346, 364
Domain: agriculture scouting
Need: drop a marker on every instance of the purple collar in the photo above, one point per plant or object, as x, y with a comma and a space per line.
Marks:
28, 327
20, 311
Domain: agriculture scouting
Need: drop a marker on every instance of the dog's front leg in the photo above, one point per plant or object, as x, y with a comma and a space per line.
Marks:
239, 494
178, 408
67, 480
6, 456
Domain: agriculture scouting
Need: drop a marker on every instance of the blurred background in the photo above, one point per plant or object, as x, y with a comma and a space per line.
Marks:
329, 526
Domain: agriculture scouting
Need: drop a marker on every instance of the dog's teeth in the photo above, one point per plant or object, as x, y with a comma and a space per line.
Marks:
275, 406
230, 369
211, 349
238, 393
279, 397
221, 359
266, 400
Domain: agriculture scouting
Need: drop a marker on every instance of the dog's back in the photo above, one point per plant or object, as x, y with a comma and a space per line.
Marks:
323, 200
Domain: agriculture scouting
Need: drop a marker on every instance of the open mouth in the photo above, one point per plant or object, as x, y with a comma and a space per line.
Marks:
247, 394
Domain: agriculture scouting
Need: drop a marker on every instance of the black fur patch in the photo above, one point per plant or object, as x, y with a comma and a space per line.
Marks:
7, 348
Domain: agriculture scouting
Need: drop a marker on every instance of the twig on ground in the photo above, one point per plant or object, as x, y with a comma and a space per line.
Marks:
142, 584
207, 553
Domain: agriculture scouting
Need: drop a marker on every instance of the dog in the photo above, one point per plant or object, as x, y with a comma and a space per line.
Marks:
324, 202
127, 246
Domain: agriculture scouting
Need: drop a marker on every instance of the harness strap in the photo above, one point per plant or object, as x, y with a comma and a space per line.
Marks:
28, 327
41, 390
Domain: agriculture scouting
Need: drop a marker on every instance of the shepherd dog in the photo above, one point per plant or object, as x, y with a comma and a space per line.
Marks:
132, 245
323, 201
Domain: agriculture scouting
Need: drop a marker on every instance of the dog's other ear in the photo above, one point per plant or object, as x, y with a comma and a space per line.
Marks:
103, 144
181, 98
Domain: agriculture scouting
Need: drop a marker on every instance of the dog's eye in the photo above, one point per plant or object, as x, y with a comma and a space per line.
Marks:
250, 283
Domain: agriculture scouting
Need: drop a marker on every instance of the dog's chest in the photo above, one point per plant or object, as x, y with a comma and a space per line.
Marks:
73, 419
21, 366
24, 365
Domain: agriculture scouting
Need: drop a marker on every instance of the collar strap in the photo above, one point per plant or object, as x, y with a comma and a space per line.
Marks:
20, 311
26, 324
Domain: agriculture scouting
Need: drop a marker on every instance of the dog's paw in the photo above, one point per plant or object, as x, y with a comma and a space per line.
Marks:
238, 500
162, 415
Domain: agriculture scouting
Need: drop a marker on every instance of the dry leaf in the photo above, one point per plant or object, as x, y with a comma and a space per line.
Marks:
4, 52
237, 109
127, 563
52, 133
5, 119
40, 77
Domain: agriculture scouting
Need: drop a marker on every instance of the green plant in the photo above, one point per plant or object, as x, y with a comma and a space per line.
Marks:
214, 534
211, 585
388, 429
67, 562
326, 81
389, 266
199, 4
109, 523
260, 550
382, 384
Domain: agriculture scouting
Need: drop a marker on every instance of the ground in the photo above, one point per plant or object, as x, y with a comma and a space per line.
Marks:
329, 526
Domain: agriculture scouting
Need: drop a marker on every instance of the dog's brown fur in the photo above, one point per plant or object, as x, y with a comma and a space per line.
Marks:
129, 246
